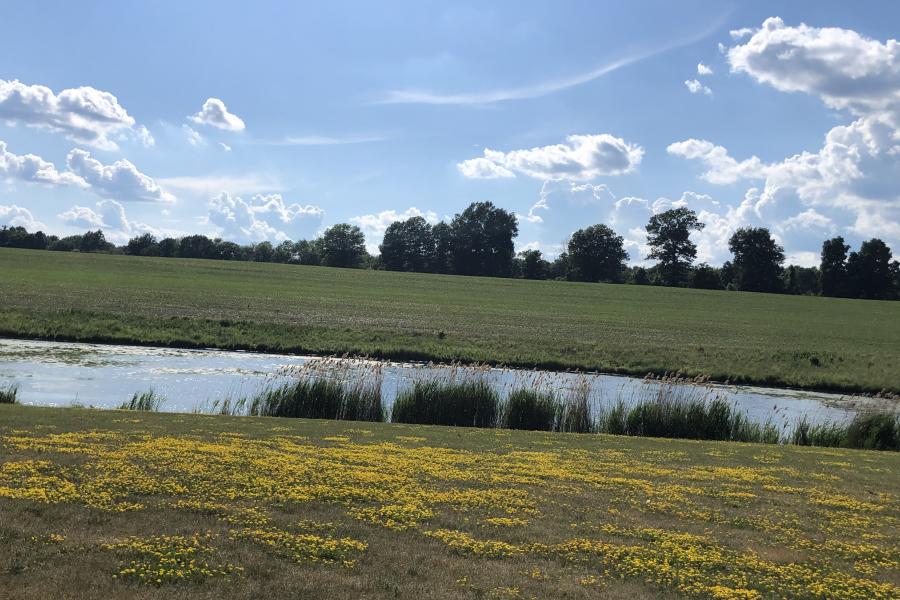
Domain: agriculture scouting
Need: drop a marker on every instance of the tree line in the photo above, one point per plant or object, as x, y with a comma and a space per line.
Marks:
479, 241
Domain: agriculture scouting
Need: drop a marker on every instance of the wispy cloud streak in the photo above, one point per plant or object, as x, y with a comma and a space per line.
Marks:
539, 89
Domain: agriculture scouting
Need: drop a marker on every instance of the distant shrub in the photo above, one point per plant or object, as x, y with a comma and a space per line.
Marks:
827, 434
9, 394
471, 403
874, 431
146, 401
530, 409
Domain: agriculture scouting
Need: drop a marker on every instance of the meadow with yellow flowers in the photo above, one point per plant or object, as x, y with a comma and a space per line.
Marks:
115, 504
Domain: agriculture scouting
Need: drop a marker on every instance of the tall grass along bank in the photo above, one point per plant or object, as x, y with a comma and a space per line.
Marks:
327, 389
9, 394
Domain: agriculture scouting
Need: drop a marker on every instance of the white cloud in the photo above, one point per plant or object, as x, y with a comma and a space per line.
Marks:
737, 34
482, 168
571, 194
85, 114
225, 147
808, 219
119, 181
695, 87
18, 216
215, 114
34, 169
840, 66
81, 216
723, 169
263, 218
109, 216
581, 158
374, 225
850, 186
212, 185
193, 136
703, 70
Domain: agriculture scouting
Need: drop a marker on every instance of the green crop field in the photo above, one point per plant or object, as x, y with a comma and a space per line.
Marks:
826, 343
118, 504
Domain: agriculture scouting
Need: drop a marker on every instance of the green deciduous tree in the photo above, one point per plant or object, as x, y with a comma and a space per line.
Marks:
596, 253
482, 240
757, 260
342, 245
408, 246
668, 235
833, 267
869, 270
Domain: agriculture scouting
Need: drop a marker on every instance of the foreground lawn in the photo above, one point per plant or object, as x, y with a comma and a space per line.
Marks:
827, 343
112, 504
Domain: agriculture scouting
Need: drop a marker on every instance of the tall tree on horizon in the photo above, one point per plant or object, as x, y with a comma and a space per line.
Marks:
833, 267
596, 253
408, 246
482, 240
342, 245
757, 260
669, 237
870, 271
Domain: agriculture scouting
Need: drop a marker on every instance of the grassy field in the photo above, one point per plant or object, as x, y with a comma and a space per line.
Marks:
115, 504
824, 343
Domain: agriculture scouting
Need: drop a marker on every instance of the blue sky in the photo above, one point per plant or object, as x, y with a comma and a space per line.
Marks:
281, 119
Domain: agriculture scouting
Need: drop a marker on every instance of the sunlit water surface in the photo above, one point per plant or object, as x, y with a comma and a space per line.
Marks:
104, 376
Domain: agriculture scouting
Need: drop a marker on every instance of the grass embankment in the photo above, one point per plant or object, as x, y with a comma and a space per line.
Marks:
825, 343
115, 504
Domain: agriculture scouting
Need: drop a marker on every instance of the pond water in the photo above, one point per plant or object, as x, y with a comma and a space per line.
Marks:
104, 376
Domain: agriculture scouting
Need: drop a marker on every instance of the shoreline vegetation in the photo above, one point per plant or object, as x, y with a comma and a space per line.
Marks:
826, 344
351, 390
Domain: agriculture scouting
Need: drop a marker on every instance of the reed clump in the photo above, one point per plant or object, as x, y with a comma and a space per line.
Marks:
340, 389
149, 401
9, 394
472, 403
531, 410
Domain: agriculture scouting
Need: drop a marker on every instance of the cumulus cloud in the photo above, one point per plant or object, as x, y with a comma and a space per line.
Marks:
215, 114
695, 87
84, 114
109, 216
34, 169
119, 181
703, 70
18, 216
843, 68
225, 147
580, 158
737, 34
263, 218
374, 225
723, 169
483, 168
81, 216
851, 185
